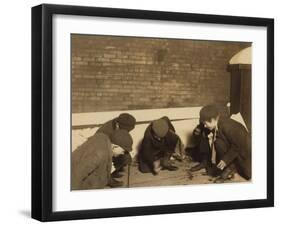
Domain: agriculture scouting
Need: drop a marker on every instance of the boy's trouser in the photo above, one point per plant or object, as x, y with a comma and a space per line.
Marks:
121, 161
164, 157
242, 164
144, 167
244, 167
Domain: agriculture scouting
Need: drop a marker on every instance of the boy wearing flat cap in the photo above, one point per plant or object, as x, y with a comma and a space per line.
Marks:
157, 146
92, 161
123, 121
231, 145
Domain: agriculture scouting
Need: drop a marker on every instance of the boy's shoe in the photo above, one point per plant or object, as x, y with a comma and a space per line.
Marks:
115, 183
201, 165
227, 174
170, 168
116, 174
213, 171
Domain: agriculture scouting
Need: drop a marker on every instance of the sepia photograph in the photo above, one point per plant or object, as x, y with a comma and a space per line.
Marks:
140, 112
159, 112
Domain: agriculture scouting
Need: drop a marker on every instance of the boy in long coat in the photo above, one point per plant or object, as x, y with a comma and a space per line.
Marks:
123, 121
232, 144
157, 146
92, 161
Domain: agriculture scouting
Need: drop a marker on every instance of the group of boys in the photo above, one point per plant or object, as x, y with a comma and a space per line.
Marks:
223, 148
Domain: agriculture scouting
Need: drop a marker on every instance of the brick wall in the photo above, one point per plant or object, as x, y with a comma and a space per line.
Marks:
124, 73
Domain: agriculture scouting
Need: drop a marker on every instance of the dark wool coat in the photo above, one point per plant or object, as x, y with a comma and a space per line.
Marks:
91, 163
152, 149
233, 145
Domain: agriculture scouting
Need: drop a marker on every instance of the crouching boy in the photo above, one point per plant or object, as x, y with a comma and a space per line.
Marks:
157, 147
231, 144
126, 122
92, 161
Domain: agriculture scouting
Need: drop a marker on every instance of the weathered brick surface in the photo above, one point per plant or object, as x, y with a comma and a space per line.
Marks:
124, 73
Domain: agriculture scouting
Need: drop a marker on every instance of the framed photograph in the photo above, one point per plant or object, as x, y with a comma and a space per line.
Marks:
145, 112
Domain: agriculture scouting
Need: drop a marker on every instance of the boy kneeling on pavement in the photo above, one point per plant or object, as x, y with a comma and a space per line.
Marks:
230, 148
126, 122
157, 147
91, 164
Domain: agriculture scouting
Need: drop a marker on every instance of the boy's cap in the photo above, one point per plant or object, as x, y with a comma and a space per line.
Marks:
208, 112
126, 121
160, 127
122, 138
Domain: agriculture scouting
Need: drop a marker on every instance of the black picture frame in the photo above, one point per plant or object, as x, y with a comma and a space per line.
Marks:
42, 107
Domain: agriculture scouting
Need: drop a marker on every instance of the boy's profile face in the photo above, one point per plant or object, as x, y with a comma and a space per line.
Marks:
117, 150
211, 124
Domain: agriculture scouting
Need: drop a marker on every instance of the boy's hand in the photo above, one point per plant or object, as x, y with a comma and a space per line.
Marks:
221, 165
